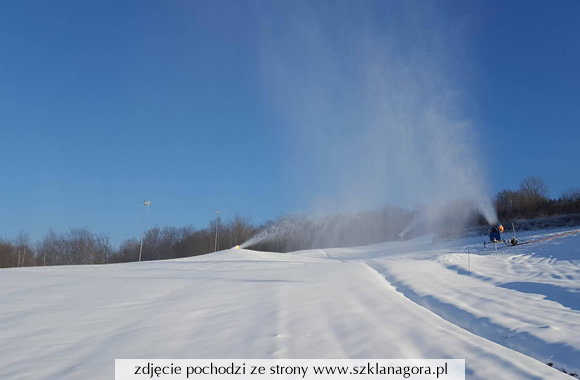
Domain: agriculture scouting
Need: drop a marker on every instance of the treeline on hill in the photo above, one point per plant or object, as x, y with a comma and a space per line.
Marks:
531, 201
288, 233
81, 246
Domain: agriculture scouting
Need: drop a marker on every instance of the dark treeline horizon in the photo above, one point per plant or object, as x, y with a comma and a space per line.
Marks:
79, 246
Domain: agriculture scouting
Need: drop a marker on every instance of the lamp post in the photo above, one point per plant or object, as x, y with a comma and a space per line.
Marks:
217, 227
145, 205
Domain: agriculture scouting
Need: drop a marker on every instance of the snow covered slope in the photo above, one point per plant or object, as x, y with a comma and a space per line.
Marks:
507, 313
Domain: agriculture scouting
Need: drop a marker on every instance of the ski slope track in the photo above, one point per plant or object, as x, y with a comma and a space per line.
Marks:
508, 313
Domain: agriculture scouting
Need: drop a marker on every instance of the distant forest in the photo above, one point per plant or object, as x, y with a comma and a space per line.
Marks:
289, 233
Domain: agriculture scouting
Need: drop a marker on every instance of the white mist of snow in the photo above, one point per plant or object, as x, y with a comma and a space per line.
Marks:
376, 104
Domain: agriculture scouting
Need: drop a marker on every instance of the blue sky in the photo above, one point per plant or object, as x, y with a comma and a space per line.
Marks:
205, 105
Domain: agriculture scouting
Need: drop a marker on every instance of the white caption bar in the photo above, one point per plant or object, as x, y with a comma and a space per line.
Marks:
291, 369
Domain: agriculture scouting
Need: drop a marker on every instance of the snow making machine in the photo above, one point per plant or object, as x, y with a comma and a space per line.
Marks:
496, 236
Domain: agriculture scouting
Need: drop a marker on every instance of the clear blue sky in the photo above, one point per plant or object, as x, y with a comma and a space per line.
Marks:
105, 104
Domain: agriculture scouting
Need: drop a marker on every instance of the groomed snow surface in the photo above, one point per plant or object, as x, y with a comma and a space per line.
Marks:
508, 313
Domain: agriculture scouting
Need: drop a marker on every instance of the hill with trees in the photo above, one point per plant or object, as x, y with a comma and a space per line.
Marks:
288, 233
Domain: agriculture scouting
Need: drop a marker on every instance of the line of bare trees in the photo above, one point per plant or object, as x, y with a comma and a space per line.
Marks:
531, 201
171, 242
288, 233
79, 246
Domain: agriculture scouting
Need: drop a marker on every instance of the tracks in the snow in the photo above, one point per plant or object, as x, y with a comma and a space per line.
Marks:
520, 341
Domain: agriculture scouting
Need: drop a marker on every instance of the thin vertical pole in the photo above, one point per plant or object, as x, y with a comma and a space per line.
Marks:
145, 204
217, 227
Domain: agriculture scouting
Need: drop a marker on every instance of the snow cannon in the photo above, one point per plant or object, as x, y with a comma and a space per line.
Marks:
496, 235
236, 247
496, 232
401, 236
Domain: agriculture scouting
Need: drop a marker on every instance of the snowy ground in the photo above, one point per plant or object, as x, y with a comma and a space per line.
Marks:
507, 313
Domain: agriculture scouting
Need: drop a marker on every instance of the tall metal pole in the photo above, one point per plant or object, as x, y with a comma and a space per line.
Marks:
217, 227
145, 203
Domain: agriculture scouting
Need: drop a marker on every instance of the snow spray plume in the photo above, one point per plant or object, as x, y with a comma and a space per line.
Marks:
338, 230
372, 102
278, 231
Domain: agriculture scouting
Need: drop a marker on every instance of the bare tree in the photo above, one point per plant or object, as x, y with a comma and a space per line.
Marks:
571, 195
22, 248
152, 244
7, 254
128, 251
79, 246
534, 188
102, 249
49, 249
240, 230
